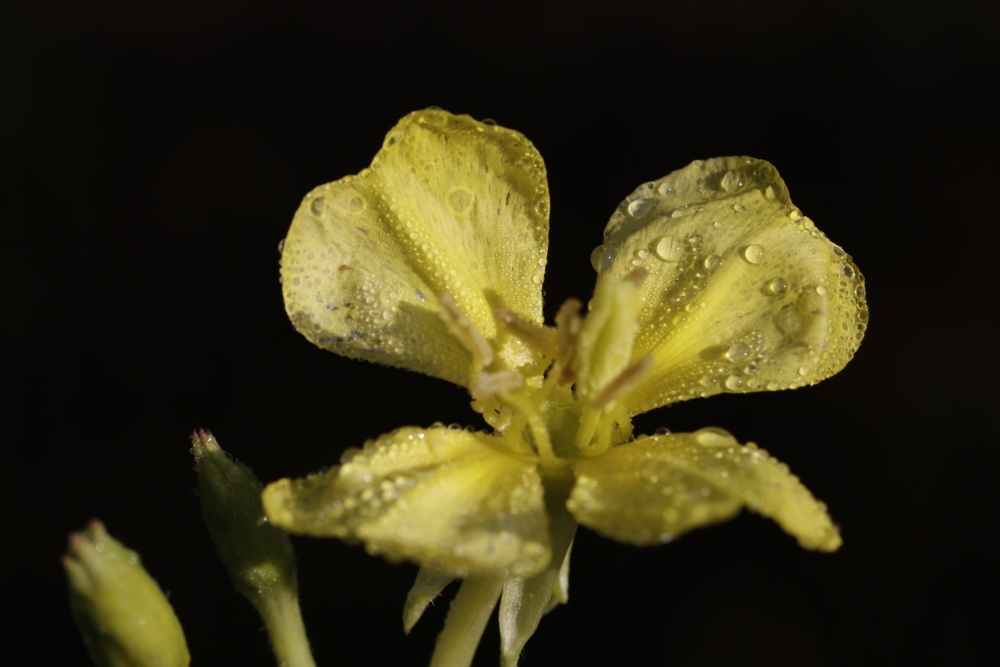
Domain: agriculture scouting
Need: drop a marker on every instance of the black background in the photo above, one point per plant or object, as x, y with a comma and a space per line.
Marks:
154, 152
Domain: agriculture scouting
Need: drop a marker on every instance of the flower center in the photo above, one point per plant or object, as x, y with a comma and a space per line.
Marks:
568, 404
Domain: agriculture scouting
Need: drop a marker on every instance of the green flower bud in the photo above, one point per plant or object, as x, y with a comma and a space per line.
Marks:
258, 556
123, 615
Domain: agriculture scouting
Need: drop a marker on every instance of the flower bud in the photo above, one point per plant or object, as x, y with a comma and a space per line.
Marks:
123, 615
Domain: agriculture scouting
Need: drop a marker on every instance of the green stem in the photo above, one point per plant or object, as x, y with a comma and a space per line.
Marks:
283, 619
468, 615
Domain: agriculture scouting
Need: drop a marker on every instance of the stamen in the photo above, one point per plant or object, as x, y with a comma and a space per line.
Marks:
491, 384
465, 331
568, 325
622, 382
637, 277
539, 433
538, 337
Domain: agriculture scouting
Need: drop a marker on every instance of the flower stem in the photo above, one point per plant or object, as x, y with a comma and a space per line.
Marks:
467, 617
283, 618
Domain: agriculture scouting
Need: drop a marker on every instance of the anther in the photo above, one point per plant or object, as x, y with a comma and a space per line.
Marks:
465, 330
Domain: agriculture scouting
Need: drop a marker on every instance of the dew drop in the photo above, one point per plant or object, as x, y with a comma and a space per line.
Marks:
777, 286
820, 290
602, 258
537, 278
848, 270
664, 190
662, 431
712, 262
753, 253
459, 200
677, 214
639, 207
732, 181
356, 204
734, 382
795, 214
769, 192
317, 207
737, 352
739, 208
542, 206
668, 248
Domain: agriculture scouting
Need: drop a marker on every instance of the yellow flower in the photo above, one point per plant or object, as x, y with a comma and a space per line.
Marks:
709, 281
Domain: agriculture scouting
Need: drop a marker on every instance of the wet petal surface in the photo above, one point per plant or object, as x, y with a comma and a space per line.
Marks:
658, 487
449, 205
452, 501
743, 293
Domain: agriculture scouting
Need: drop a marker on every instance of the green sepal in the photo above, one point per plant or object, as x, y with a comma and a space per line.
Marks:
526, 600
426, 588
122, 613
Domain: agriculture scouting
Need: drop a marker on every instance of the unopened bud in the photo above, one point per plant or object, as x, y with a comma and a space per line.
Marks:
123, 615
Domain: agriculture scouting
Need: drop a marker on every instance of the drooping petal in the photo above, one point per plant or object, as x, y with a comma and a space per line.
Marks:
744, 293
449, 205
657, 487
452, 501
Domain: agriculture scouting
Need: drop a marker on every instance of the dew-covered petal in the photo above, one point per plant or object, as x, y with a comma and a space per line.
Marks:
743, 293
452, 501
657, 487
449, 205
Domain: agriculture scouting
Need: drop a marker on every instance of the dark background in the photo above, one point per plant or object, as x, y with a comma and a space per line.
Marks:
153, 154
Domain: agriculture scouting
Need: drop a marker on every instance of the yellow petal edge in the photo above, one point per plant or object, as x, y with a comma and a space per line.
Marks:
452, 501
744, 293
448, 205
658, 487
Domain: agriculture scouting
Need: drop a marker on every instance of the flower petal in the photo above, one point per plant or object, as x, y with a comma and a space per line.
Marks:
655, 488
744, 293
452, 501
449, 205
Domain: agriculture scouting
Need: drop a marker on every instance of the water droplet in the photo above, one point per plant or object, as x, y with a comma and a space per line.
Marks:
281, 245
349, 454
708, 381
820, 290
397, 136
668, 248
732, 181
848, 270
803, 371
317, 207
734, 382
639, 207
664, 190
356, 204
677, 214
769, 192
460, 200
808, 224
753, 253
739, 208
542, 206
777, 286
420, 295
489, 121
537, 278
662, 431
712, 262
795, 214
694, 239
713, 437
737, 352
717, 224
602, 258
